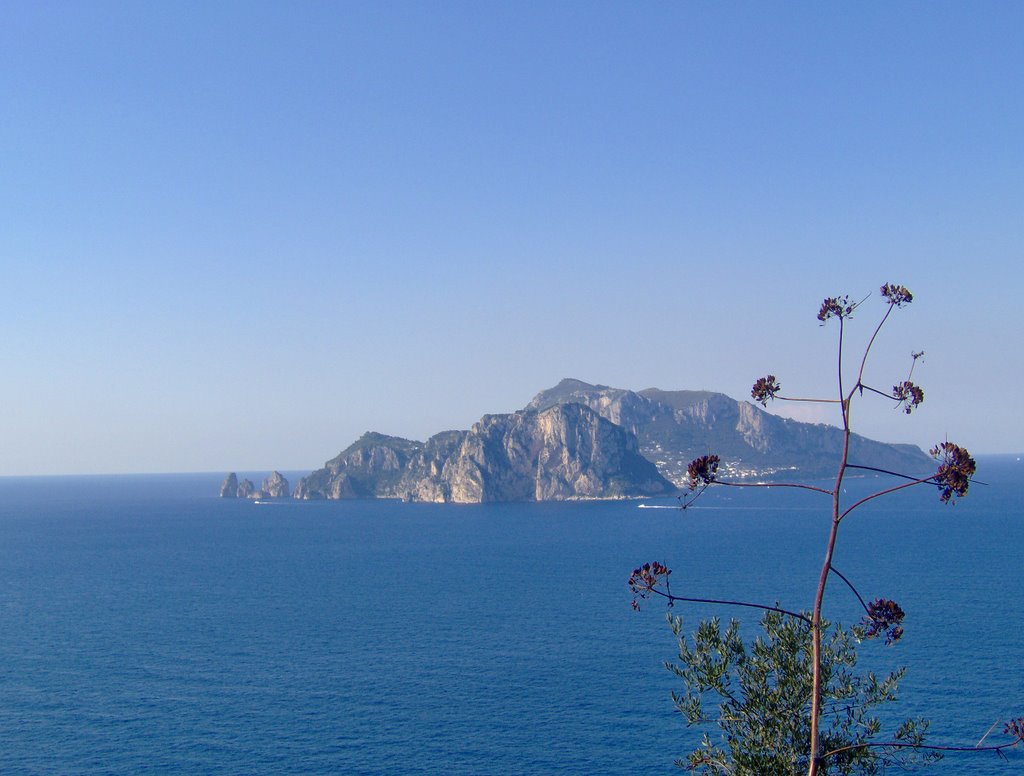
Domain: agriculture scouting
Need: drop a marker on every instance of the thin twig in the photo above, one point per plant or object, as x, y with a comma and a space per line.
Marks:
972, 480
816, 401
849, 584
982, 739
671, 597
933, 747
842, 396
885, 492
773, 485
875, 390
864, 361
684, 505
913, 363
879, 471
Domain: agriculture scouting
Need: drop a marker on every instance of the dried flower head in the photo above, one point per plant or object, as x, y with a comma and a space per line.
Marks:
1015, 728
897, 295
645, 578
836, 307
956, 467
764, 389
884, 617
702, 471
908, 395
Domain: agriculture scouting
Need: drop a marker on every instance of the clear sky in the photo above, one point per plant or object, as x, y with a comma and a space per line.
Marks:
238, 235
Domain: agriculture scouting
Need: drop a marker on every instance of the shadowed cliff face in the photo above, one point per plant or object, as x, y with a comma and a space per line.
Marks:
564, 452
370, 467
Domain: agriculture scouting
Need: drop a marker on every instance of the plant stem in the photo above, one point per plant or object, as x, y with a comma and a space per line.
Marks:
826, 566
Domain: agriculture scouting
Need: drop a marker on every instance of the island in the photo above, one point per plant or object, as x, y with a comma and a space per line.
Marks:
583, 441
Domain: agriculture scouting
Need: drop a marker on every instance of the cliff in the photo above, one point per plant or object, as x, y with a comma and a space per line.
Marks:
229, 488
232, 488
370, 467
563, 452
274, 486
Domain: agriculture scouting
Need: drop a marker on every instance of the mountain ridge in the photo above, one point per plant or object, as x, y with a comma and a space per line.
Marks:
673, 427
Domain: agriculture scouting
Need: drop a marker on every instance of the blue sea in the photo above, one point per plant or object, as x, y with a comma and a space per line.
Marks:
146, 625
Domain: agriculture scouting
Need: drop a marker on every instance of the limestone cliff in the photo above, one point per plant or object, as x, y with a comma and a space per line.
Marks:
229, 488
429, 472
246, 489
563, 452
275, 486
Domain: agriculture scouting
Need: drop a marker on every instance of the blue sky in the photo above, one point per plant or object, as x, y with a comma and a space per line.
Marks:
237, 235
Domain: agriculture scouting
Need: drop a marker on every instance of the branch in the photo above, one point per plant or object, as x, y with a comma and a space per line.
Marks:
844, 400
885, 492
849, 584
816, 401
773, 485
933, 747
880, 471
875, 390
982, 739
694, 495
864, 361
913, 362
973, 481
674, 598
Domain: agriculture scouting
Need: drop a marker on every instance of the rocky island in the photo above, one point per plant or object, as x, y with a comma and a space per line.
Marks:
563, 452
583, 441
274, 486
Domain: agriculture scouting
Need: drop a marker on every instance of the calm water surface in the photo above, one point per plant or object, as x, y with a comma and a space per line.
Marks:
148, 625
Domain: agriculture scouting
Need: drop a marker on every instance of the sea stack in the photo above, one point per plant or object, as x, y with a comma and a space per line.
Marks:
275, 486
229, 488
246, 489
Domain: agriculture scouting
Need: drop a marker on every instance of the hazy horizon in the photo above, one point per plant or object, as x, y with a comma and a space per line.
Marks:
244, 234
291, 471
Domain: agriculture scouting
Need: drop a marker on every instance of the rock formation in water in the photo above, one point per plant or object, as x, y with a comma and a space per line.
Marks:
229, 488
563, 452
275, 486
246, 489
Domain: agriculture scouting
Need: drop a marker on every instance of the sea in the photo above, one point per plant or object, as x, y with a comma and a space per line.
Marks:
148, 626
